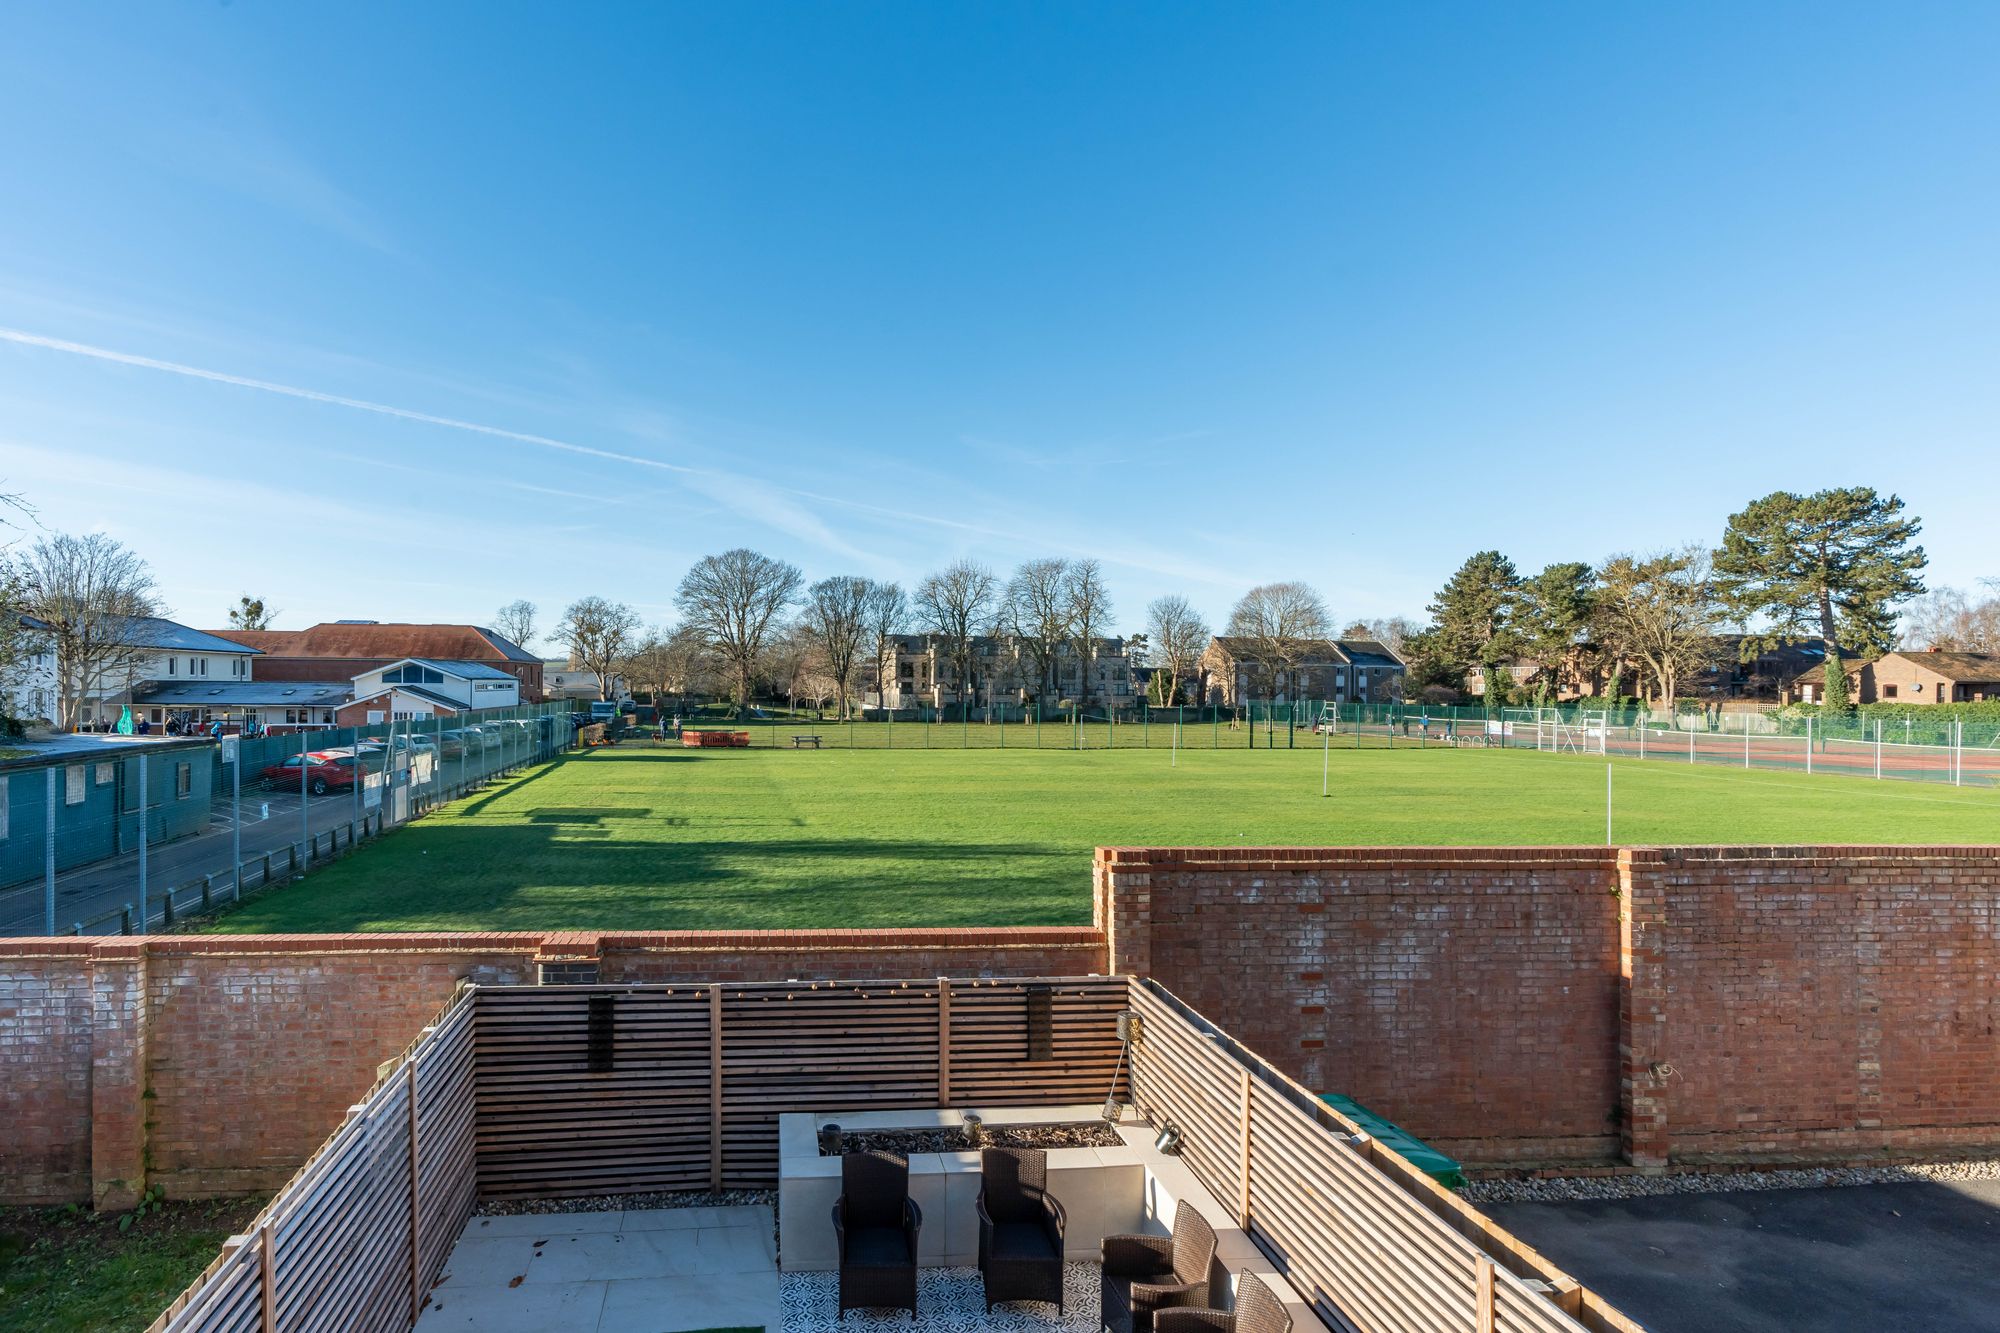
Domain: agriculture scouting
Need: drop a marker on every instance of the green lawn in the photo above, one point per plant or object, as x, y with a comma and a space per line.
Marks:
629, 838
68, 1270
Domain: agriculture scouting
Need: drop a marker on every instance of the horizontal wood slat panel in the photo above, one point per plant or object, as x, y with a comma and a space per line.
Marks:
343, 1254
547, 1125
1351, 1235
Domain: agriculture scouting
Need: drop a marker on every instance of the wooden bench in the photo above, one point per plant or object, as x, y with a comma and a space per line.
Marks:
806, 742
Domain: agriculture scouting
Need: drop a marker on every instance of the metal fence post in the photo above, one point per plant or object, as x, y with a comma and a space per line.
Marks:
236, 817
49, 854
1809, 745
1878, 749
143, 918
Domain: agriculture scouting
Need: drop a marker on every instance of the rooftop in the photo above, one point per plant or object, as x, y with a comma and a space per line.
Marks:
387, 642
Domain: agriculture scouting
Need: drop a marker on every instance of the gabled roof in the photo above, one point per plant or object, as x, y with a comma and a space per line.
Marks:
1955, 666
172, 637
428, 696
459, 670
1315, 652
387, 642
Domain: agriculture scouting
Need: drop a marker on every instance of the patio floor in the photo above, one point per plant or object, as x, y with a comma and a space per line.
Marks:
664, 1270
675, 1270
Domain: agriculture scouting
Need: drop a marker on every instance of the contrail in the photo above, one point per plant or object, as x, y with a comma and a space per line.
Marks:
315, 396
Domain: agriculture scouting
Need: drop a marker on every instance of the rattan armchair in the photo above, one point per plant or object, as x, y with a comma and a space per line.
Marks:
1020, 1228
1257, 1311
1144, 1274
875, 1222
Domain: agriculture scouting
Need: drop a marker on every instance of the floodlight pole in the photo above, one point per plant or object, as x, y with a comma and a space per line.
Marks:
142, 844
1607, 804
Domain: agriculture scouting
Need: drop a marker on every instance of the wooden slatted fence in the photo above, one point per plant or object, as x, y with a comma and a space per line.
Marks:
1368, 1238
354, 1240
658, 1118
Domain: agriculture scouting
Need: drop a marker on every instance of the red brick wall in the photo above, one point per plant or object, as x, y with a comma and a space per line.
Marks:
1820, 1003
216, 1064
1696, 1006
1469, 994
45, 1026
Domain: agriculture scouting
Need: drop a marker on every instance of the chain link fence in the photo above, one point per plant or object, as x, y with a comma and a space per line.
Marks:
115, 834
1944, 749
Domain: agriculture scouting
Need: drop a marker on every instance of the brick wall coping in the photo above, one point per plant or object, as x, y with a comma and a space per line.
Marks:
1288, 857
887, 939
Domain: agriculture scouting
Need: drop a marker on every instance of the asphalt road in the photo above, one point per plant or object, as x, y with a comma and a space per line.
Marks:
106, 886
1904, 1258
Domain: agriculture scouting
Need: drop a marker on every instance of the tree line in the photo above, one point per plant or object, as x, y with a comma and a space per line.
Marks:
1831, 568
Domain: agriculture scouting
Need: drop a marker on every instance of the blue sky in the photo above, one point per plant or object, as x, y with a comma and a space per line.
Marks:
1219, 294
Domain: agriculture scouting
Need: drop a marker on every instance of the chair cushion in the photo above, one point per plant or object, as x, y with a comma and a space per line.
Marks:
877, 1247
1021, 1240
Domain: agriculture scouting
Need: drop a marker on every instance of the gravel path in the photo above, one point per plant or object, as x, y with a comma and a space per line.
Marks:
1561, 1189
612, 1203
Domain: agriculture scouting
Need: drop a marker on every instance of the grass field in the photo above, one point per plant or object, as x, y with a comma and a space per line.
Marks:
667, 839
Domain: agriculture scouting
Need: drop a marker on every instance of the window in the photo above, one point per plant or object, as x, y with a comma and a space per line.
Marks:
105, 772
1888, 691
3, 806
204, 665
173, 666
183, 781
73, 785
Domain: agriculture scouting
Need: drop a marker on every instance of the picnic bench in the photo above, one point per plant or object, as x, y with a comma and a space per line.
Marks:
806, 742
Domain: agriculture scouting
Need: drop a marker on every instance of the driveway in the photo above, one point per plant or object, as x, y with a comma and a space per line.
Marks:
1904, 1258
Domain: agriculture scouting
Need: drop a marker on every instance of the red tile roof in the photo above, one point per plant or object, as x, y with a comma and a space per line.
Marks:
389, 642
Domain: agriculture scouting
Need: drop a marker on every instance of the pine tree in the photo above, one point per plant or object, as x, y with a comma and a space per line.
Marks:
1472, 620
1832, 565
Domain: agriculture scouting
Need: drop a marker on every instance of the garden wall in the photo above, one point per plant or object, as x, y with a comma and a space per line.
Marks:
1694, 1006
215, 1064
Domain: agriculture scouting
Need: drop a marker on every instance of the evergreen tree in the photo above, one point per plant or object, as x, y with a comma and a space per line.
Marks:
1472, 620
1554, 621
1833, 565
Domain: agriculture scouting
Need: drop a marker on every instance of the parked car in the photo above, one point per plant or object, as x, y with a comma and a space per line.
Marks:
325, 771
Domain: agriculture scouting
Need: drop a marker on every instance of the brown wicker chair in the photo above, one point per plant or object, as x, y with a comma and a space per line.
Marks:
1020, 1228
1143, 1274
875, 1222
1257, 1311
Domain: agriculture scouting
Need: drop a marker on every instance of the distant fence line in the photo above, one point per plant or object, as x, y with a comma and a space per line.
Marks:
63, 813
1951, 750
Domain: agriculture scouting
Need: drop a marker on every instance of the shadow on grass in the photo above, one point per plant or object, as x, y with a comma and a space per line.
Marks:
575, 868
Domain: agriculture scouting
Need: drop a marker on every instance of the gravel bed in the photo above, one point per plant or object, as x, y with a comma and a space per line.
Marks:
1567, 1189
612, 1203
1091, 1134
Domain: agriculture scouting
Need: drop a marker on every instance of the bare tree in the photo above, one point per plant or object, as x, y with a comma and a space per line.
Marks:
1952, 620
1036, 610
886, 616
1177, 634
95, 596
1279, 622
599, 634
956, 603
1663, 611
1392, 632
251, 613
836, 618
1089, 603
734, 600
515, 622
667, 663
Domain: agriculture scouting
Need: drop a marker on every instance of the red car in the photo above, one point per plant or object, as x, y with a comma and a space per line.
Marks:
324, 772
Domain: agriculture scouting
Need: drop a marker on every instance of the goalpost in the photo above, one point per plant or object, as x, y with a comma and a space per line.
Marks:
1581, 734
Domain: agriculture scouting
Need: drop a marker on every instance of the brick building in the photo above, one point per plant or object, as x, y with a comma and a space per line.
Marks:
1931, 677
344, 649
1338, 670
920, 671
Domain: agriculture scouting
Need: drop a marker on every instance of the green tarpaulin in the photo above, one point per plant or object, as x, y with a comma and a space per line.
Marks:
1427, 1159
